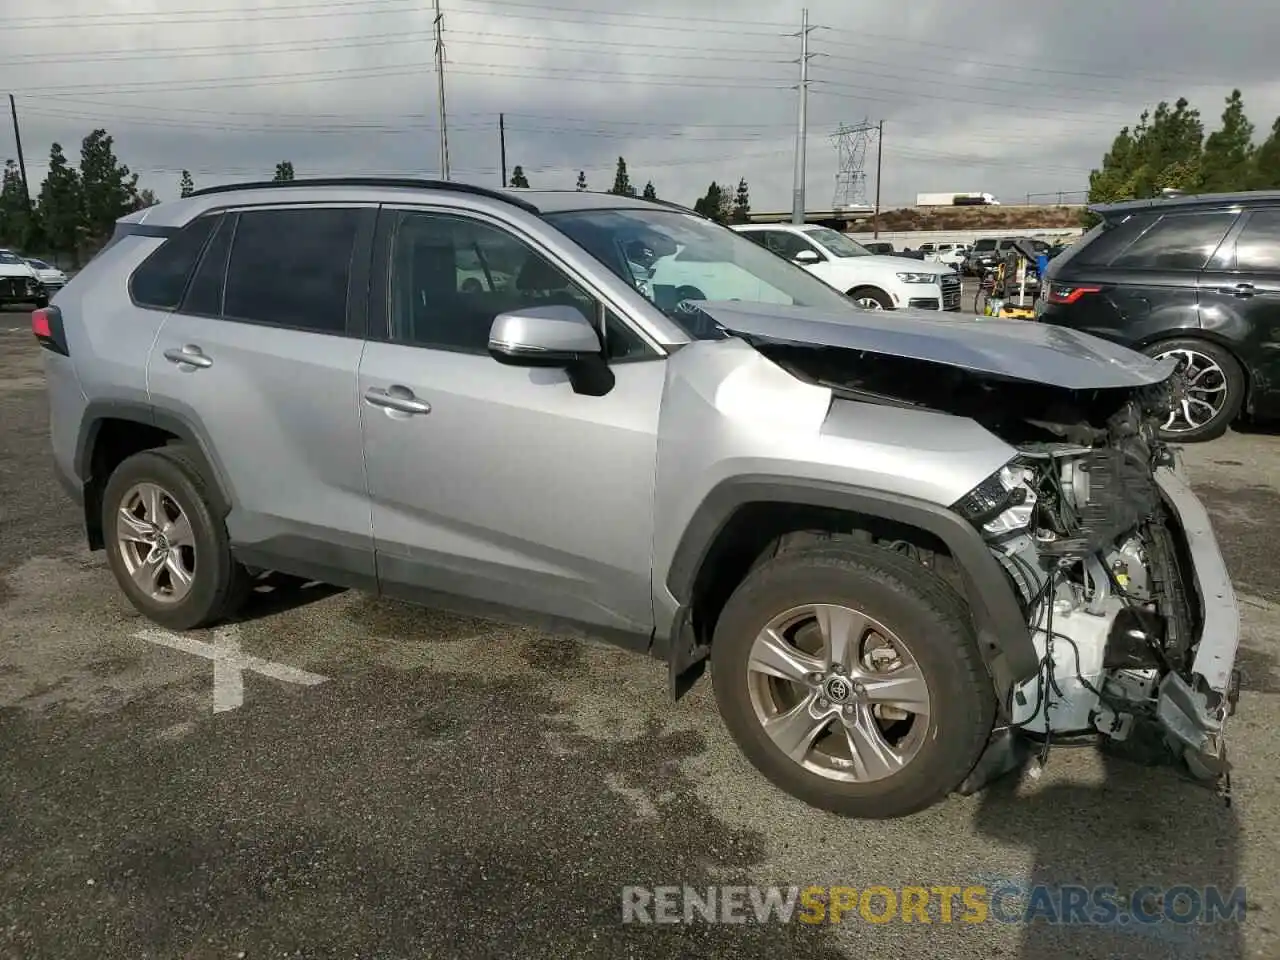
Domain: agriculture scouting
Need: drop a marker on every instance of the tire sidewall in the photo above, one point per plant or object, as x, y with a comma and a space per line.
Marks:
872, 293
957, 706
213, 559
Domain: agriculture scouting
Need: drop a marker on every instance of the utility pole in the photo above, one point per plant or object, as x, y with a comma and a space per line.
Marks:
444, 130
22, 161
502, 142
802, 124
875, 223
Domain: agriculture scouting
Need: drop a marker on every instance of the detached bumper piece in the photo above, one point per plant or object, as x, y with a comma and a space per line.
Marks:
1193, 710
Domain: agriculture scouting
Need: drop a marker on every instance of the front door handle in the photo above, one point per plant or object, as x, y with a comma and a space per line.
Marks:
190, 355
1239, 290
396, 398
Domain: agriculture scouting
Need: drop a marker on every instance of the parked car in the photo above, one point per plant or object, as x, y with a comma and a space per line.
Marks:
952, 254
868, 524
876, 282
50, 276
982, 255
879, 247
19, 283
1195, 278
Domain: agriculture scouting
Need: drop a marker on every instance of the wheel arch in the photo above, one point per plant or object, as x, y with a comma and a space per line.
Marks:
714, 554
864, 288
111, 431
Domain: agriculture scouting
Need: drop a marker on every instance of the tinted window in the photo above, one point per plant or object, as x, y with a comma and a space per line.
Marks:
1183, 241
984, 245
451, 277
204, 294
290, 268
1258, 246
161, 278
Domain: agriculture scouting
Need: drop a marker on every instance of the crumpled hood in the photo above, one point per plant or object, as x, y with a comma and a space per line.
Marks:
1021, 349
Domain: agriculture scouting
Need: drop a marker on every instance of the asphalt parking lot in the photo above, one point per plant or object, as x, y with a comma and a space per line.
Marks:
436, 786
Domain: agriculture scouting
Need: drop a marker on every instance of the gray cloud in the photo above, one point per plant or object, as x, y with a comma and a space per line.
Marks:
1004, 96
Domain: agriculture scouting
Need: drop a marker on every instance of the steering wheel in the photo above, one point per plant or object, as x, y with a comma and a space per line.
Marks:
472, 285
686, 293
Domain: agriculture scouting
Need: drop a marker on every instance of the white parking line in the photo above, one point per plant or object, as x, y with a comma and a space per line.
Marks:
229, 663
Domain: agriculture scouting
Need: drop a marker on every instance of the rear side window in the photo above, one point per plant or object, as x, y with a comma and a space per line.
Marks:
291, 268
1183, 241
204, 293
1258, 246
161, 279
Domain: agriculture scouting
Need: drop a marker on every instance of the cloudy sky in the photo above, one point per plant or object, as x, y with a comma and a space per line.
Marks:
1013, 98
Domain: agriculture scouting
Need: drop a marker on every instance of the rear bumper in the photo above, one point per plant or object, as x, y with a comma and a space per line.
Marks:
1195, 710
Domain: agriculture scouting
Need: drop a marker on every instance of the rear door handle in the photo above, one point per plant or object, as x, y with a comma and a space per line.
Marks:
396, 398
1239, 290
190, 355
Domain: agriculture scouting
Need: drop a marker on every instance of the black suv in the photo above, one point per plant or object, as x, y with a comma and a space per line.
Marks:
1193, 277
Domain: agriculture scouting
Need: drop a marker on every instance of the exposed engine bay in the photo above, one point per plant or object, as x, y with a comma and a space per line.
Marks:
1089, 542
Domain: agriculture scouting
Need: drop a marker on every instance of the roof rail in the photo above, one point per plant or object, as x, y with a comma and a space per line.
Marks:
409, 183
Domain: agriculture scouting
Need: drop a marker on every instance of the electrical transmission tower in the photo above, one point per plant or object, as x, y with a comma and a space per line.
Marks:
852, 141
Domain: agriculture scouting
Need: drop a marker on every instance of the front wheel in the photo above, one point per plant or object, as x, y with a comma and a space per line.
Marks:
869, 298
1209, 393
850, 677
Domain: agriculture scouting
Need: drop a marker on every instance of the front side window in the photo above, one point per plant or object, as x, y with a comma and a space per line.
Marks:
1258, 246
451, 277
291, 268
838, 244
684, 258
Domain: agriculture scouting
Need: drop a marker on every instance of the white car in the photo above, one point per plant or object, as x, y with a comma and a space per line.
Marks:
874, 281
952, 254
19, 282
52, 278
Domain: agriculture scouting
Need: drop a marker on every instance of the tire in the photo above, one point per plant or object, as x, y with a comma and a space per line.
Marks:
927, 616
218, 585
1218, 381
872, 295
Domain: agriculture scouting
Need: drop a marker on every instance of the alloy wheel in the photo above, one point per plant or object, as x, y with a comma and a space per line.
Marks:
869, 303
1201, 395
838, 693
156, 543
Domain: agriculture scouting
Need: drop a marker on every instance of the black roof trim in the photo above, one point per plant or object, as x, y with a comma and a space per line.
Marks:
407, 183
1189, 200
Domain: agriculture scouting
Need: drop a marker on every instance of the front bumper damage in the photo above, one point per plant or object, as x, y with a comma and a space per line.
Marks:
1194, 712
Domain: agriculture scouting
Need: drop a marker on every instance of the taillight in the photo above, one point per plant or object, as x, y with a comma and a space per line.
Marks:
1064, 294
46, 324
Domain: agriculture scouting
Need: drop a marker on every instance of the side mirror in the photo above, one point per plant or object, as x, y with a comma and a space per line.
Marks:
807, 256
556, 335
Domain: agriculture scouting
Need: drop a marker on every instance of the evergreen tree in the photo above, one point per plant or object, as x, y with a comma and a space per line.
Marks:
1228, 151
715, 204
518, 179
741, 203
284, 172
582, 180
1265, 174
649, 192
108, 190
15, 217
186, 186
622, 182
61, 204
1164, 150
146, 198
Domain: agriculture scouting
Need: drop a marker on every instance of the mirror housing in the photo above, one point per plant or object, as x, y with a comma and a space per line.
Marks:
807, 256
556, 335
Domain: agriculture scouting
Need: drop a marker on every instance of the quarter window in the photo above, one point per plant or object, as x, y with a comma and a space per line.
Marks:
162, 277
1182, 241
291, 268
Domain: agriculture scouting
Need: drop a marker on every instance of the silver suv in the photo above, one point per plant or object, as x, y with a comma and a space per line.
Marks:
912, 549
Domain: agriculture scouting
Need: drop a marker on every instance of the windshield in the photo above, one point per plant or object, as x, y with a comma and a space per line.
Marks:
837, 243
985, 245
676, 259
7, 257
39, 264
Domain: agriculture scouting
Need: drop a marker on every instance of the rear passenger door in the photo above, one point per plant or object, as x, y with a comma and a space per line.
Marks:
497, 489
261, 358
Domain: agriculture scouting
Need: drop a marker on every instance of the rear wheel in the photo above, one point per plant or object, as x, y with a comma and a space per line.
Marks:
167, 548
850, 677
1210, 393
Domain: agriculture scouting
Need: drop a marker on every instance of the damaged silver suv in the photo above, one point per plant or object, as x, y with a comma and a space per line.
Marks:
914, 550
